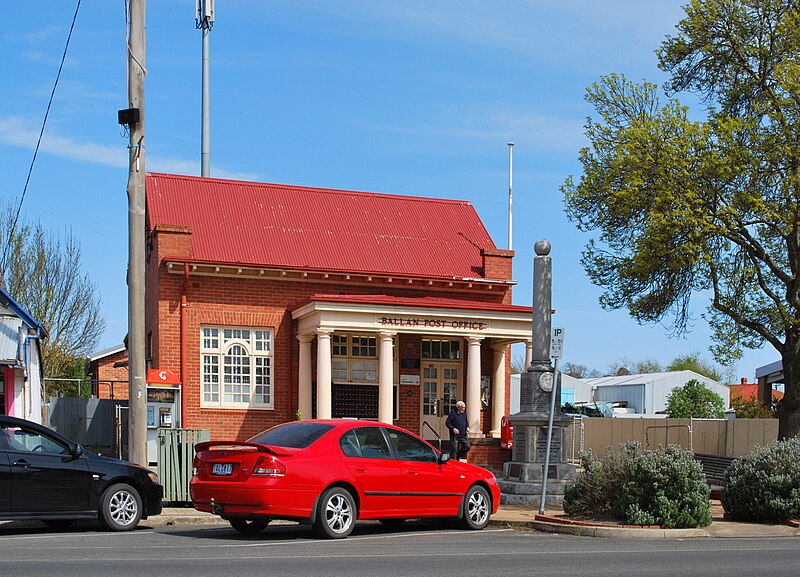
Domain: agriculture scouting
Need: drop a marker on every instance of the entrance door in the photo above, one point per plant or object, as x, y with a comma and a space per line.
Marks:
441, 382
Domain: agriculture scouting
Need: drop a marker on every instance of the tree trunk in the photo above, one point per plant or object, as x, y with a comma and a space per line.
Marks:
789, 409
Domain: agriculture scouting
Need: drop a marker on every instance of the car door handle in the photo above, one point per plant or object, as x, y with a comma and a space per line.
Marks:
21, 463
361, 469
412, 472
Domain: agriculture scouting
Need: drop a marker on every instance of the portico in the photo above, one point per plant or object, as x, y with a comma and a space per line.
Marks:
357, 340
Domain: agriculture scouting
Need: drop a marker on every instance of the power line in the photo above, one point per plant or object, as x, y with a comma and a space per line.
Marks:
39, 142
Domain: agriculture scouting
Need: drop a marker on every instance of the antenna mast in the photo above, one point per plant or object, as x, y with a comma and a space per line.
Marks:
510, 187
204, 20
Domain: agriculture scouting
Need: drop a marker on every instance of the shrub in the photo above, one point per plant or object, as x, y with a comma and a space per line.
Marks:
665, 487
751, 409
765, 486
694, 400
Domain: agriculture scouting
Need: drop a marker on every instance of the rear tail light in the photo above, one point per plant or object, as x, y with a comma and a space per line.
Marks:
269, 467
198, 468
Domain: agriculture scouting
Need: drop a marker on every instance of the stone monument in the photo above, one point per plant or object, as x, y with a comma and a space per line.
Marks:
522, 477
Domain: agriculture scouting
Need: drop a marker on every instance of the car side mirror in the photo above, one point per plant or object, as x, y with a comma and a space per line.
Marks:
443, 458
77, 451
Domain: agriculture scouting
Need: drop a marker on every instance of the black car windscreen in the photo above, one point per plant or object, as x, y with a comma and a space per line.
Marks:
294, 435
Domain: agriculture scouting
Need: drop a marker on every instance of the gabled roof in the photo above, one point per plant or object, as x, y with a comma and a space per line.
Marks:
640, 378
106, 352
12, 317
8, 303
275, 225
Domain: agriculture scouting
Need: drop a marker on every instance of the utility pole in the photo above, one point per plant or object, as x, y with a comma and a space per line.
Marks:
137, 387
204, 20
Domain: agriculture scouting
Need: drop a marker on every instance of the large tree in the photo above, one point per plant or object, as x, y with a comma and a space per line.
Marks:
706, 204
44, 275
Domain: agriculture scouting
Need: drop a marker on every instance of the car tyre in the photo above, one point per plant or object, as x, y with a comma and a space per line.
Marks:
476, 508
248, 526
336, 513
120, 508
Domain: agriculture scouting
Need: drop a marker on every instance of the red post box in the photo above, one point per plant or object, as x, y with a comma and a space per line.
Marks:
506, 433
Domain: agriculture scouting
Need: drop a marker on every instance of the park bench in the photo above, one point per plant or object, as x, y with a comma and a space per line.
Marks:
714, 468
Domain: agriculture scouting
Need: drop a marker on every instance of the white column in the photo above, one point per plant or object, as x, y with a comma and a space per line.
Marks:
473, 399
528, 354
386, 378
304, 377
324, 373
498, 388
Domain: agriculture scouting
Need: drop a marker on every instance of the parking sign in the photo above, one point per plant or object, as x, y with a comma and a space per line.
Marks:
556, 342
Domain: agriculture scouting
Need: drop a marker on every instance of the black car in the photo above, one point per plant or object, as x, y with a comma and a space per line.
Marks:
45, 476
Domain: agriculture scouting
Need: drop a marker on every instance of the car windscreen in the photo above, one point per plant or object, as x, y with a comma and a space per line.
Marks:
294, 435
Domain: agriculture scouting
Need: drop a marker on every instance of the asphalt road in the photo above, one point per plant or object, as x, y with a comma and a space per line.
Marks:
415, 550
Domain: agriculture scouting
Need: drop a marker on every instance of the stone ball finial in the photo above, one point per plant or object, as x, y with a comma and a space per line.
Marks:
542, 247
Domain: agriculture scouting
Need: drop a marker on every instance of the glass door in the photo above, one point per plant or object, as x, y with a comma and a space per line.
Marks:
441, 383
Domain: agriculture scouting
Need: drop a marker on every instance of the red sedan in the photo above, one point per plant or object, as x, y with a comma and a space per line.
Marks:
331, 473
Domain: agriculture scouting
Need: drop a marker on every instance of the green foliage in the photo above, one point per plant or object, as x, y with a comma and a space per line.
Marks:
695, 401
765, 486
74, 381
751, 409
665, 487
693, 362
684, 205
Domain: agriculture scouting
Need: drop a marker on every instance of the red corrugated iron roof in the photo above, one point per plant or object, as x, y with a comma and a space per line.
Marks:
276, 225
749, 392
426, 302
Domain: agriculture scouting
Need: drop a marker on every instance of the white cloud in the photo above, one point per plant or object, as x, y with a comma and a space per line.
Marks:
19, 132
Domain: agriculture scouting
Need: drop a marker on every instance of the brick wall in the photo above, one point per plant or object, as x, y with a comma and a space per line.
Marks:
487, 453
252, 302
110, 382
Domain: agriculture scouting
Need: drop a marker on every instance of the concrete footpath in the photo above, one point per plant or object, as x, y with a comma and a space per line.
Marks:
523, 516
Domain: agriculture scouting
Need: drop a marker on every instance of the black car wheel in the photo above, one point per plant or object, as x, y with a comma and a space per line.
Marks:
476, 508
249, 526
59, 523
336, 513
120, 508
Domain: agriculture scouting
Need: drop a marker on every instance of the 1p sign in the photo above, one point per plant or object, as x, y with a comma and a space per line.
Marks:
556, 342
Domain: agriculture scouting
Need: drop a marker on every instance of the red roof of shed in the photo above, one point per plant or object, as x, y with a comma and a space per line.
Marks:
277, 225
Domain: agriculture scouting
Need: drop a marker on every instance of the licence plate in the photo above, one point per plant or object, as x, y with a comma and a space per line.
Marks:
222, 469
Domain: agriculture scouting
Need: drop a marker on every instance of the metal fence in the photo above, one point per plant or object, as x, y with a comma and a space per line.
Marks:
92, 422
175, 455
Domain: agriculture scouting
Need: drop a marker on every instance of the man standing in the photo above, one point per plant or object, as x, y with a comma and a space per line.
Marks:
457, 424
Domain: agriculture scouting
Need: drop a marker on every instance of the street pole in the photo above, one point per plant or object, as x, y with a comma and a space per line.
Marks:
556, 384
137, 393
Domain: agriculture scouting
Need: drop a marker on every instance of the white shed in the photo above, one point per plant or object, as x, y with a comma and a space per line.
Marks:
646, 394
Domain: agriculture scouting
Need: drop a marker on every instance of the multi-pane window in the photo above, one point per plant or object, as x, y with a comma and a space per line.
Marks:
441, 349
236, 366
355, 359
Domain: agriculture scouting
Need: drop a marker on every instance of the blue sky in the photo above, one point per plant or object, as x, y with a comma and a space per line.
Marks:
412, 97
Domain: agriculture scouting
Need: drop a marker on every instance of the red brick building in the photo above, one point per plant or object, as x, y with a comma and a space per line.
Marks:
276, 302
109, 371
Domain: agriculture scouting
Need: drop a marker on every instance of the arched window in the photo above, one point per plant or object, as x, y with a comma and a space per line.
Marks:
236, 367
